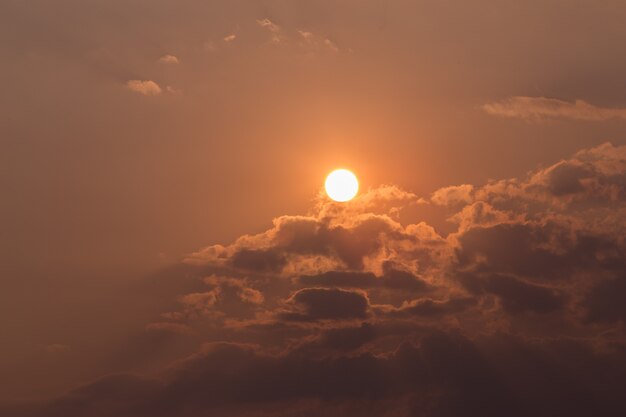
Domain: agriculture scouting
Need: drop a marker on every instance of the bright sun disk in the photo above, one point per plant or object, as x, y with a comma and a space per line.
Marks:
341, 185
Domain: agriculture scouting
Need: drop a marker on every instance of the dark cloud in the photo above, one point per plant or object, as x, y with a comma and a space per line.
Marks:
540, 251
516, 295
259, 260
327, 303
393, 279
591, 178
347, 338
121, 395
442, 375
565, 179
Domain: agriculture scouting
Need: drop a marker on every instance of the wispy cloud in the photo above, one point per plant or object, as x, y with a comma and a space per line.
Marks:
540, 108
311, 40
271, 27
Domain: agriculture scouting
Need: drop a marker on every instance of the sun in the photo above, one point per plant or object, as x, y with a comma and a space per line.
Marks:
341, 185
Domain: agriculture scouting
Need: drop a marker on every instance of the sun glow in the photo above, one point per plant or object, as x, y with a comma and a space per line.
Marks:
341, 185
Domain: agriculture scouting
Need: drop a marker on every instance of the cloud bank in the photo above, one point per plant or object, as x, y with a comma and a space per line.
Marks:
345, 311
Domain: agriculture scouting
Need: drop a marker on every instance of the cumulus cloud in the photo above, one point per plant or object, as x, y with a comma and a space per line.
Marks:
145, 87
522, 246
540, 108
348, 311
456, 194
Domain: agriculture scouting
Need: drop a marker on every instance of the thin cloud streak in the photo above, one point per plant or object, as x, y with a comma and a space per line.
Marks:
541, 108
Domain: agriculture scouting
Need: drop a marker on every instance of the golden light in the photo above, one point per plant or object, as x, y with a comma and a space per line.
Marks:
341, 185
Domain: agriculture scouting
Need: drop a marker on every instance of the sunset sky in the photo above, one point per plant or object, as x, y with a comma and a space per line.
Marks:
167, 248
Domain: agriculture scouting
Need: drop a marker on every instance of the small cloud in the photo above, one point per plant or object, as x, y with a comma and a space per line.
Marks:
169, 59
307, 36
331, 45
311, 40
539, 108
172, 90
230, 38
273, 28
145, 87
269, 25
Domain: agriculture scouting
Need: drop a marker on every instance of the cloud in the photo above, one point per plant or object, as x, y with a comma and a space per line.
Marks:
313, 41
303, 41
392, 279
172, 90
522, 246
440, 375
326, 304
269, 25
516, 295
300, 43
349, 311
145, 87
540, 108
169, 59
200, 302
259, 260
456, 194
274, 30
426, 307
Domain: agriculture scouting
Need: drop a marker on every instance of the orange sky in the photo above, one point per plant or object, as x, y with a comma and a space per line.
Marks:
134, 133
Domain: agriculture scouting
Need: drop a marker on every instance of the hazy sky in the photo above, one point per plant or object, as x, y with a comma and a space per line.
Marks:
489, 138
